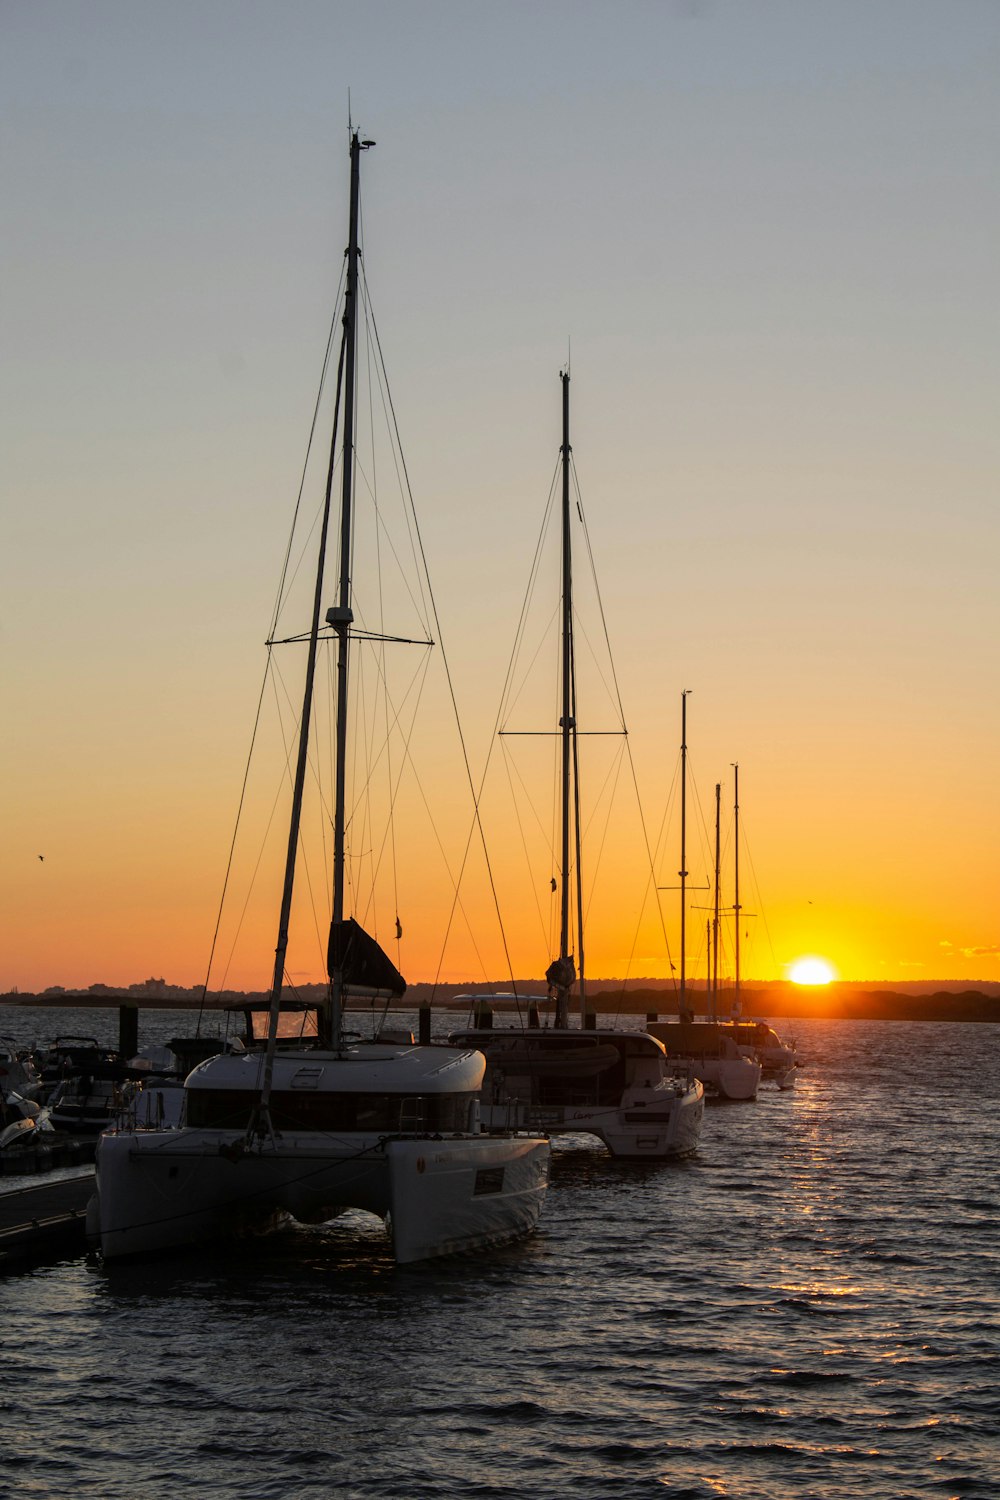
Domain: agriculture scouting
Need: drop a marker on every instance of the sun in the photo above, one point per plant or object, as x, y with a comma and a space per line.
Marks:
810, 971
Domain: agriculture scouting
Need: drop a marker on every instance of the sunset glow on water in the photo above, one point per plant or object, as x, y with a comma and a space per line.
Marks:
813, 1348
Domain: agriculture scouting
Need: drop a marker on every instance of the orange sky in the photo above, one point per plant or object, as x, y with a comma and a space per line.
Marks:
780, 289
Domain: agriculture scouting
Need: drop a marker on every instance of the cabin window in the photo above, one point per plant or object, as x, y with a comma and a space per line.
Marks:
293, 1025
219, 1109
230, 1109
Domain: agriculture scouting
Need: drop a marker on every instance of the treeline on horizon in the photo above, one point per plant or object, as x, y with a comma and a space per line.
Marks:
843, 1004
946, 1000
152, 988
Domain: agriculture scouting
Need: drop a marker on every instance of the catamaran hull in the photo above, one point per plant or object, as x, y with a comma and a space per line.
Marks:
158, 1191
447, 1198
736, 1078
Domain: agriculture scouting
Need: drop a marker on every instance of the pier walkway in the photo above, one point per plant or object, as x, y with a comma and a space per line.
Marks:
46, 1216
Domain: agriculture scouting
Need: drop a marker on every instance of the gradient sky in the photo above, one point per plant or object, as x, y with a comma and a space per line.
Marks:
770, 231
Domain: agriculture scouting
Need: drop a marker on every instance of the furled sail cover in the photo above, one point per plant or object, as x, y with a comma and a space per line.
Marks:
561, 973
366, 969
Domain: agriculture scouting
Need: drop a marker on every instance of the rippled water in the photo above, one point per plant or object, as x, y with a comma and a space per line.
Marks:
808, 1309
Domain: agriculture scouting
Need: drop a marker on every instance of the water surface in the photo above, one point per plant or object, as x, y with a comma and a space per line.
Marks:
806, 1309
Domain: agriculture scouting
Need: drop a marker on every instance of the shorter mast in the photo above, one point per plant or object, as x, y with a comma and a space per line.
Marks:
709, 1000
715, 915
579, 867
686, 1013
736, 895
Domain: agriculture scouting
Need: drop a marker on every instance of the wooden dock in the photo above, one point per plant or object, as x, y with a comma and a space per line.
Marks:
48, 1153
45, 1217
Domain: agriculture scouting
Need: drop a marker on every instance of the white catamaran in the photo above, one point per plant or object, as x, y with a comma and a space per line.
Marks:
325, 1124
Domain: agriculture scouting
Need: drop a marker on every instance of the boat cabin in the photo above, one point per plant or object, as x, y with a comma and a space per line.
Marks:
564, 1068
705, 1039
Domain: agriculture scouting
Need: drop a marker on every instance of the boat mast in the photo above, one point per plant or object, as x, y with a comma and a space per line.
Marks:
567, 723
736, 896
709, 1002
340, 617
579, 864
686, 1014
715, 914
302, 757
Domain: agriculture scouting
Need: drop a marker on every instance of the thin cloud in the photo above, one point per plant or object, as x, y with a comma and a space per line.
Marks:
981, 950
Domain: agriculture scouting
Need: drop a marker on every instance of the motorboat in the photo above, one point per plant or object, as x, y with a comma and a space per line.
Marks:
80, 1083
22, 1118
23, 1121
87, 1103
318, 1123
18, 1072
70, 1057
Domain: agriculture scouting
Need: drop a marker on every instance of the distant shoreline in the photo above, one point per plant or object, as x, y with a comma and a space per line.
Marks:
838, 1002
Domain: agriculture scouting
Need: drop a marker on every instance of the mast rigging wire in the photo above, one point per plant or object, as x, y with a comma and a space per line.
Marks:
438, 633
271, 632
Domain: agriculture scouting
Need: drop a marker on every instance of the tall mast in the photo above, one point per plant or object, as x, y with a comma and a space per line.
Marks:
682, 872
302, 755
736, 896
341, 616
567, 723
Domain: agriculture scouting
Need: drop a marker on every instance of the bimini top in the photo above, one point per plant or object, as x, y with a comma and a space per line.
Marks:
558, 1039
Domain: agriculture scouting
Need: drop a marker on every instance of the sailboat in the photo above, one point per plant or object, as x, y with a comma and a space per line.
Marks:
616, 1085
710, 1051
777, 1058
324, 1124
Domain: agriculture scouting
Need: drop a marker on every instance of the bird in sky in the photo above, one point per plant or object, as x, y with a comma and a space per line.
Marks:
42, 858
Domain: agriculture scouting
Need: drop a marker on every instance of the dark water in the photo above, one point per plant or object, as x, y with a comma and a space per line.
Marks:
808, 1309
